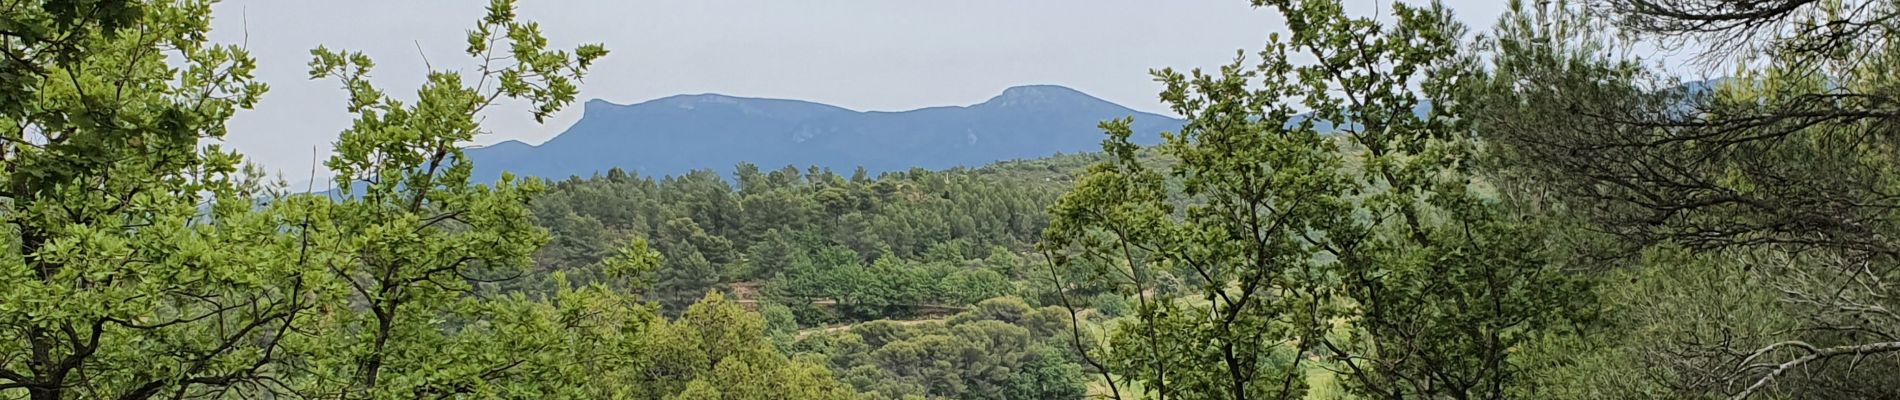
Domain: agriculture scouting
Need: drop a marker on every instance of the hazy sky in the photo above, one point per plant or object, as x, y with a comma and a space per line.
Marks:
858, 54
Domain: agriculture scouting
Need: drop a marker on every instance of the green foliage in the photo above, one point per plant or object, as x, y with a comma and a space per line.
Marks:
1363, 211
417, 236
828, 249
147, 265
616, 347
880, 247
119, 227
1000, 350
968, 286
1746, 218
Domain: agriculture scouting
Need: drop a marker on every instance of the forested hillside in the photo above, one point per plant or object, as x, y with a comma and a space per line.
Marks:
1376, 204
773, 225
944, 259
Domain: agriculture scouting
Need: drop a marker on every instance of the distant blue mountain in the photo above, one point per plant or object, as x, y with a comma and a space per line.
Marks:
674, 135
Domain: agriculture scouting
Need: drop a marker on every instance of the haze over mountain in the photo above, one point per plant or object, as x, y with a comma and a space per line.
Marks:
674, 135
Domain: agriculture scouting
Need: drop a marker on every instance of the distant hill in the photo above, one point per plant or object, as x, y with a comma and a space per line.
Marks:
674, 135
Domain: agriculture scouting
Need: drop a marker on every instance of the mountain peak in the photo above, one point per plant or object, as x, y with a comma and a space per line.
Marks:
1022, 90
593, 106
714, 102
1037, 94
689, 101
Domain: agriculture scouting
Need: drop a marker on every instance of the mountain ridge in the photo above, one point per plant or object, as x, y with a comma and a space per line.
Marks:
676, 134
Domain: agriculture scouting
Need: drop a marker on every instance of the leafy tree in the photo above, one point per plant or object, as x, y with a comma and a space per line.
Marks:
969, 286
402, 254
1770, 182
687, 275
740, 363
120, 277
1356, 231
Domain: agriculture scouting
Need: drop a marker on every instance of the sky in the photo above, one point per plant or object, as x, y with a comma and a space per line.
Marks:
860, 54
